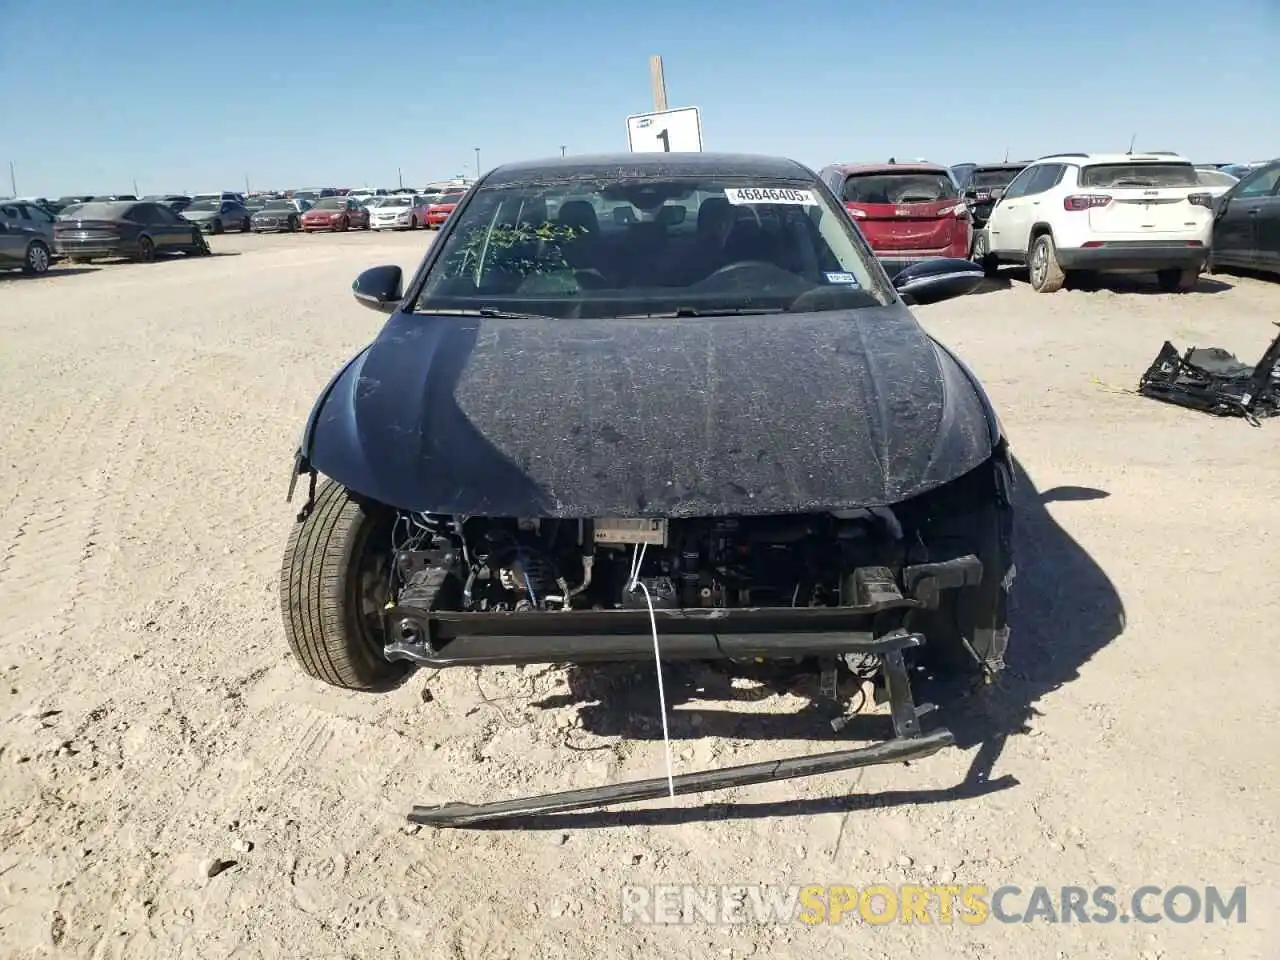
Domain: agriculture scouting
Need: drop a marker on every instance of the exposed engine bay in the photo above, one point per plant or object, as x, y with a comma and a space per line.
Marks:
510, 565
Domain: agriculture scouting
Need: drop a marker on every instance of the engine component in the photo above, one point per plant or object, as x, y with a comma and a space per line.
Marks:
516, 565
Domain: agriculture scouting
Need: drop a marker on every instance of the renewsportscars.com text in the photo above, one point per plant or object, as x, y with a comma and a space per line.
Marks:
926, 904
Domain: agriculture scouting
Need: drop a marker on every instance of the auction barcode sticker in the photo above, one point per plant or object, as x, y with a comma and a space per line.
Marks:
740, 195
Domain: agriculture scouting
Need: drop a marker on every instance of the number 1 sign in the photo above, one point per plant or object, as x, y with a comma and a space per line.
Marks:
670, 131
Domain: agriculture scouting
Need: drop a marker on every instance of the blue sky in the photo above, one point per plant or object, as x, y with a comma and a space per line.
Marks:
194, 96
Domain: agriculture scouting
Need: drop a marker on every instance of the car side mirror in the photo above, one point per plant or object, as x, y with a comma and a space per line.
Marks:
933, 280
379, 288
996, 193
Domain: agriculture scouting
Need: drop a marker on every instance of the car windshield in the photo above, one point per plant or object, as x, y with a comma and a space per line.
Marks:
330, 203
899, 188
393, 202
652, 247
1138, 175
278, 205
95, 210
203, 205
1215, 178
999, 177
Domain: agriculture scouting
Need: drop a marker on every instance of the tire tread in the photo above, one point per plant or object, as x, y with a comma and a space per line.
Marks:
320, 611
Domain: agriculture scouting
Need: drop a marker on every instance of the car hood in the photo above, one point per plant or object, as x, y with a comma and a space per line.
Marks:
396, 210
323, 213
676, 418
200, 214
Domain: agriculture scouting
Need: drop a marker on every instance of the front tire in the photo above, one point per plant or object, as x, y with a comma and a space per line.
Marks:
982, 255
1047, 275
217, 226
146, 250
245, 226
332, 587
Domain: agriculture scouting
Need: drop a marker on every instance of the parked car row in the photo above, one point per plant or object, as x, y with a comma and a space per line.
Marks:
1058, 215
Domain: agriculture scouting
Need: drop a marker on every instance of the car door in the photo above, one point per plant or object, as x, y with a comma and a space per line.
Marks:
13, 238
40, 221
168, 228
1008, 222
1240, 231
1267, 242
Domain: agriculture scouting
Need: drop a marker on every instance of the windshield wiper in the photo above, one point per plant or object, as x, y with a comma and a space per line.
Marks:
696, 312
491, 313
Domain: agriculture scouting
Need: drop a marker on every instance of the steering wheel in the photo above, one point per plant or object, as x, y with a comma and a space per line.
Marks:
742, 265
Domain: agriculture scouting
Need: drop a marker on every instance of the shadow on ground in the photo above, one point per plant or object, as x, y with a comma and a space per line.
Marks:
1064, 610
992, 285
1129, 283
51, 272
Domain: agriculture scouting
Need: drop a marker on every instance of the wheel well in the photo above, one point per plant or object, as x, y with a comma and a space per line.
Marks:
1040, 229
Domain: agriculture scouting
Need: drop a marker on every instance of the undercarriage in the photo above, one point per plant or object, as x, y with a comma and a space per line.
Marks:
872, 592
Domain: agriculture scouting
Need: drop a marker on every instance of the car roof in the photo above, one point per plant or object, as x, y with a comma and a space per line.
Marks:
882, 167
642, 165
1003, 165
1088, 158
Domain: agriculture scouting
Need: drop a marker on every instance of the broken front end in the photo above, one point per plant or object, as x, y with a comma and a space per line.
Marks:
874, 592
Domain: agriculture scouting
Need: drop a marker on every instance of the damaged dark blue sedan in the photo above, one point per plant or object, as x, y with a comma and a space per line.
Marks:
654, 404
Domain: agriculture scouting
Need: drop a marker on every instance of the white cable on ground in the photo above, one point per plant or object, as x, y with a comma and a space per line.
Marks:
636, 562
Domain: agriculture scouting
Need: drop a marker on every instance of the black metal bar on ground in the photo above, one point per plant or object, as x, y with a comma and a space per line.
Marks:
589, 648
891, 751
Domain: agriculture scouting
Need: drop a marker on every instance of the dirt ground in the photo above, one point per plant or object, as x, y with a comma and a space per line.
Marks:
152, 721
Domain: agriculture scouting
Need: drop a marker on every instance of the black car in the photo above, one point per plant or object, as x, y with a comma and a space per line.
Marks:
1246, 226
278, 216
982, 185
138, 229
653, 400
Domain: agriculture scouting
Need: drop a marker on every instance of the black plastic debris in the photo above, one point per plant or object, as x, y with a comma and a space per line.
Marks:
1215, 381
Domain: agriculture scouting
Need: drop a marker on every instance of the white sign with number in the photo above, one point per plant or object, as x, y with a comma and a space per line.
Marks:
670, 131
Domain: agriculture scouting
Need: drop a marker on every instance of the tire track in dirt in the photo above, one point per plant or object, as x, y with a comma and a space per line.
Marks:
48, 525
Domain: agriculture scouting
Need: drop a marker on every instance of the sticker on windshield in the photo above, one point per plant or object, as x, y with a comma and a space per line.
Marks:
741, 195
842, 278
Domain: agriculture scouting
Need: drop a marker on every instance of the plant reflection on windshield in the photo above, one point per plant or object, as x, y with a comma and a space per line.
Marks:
640, 248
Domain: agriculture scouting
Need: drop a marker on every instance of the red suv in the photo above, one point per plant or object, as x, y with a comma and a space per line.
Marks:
907, 211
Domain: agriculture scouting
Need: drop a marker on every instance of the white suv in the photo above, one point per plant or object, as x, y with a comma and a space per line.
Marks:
1111, 212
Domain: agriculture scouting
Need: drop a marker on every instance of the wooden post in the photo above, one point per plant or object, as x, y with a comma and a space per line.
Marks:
659, 81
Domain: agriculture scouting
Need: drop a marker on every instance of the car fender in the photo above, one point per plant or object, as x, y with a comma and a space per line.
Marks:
303, 460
